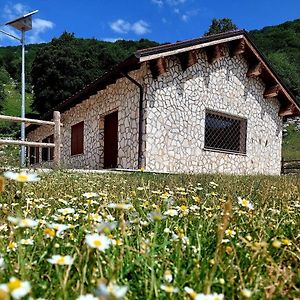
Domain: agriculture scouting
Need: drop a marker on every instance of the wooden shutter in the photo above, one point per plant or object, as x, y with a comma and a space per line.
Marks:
77, 138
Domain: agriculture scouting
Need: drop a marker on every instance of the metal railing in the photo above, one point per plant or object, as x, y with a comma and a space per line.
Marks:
57, 135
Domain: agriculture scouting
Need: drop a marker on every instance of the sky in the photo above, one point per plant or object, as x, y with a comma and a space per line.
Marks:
158, 20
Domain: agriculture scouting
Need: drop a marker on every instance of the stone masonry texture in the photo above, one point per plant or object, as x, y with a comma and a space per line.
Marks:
174, 120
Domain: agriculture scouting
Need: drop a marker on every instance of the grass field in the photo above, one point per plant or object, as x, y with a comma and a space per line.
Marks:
12, 105
156, 236
291, 144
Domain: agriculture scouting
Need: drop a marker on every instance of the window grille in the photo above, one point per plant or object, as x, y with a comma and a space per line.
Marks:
225, 132
77, 138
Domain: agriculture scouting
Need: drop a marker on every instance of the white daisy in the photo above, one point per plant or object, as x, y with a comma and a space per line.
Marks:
61, 260
90, 195
120, 206
111, 291
66, 211
171, 212
22, 176
245, 203
29, 223
17, 288
100, 242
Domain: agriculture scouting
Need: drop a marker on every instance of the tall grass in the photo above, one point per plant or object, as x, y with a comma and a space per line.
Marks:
211, 244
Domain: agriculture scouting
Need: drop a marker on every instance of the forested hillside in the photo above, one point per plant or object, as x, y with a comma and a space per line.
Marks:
281, 45
58, 69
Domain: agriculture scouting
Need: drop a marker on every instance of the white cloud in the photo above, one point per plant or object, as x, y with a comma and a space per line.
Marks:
39, 26
121, 26
161, 3
12, 11
140, 27
175, 2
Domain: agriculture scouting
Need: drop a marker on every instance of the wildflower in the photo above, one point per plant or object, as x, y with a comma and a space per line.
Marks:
16, 288
167, 230
87, 297
12, 246
286, 242
168, 276
61, 260
155, 216
90, 195
49, 232
94, 217
171, 212
246, 293
29, 223
111, 291
120, 206
106, 227
228, 250
100, 242
59, 228
26, 242
276, 244
216, 296
169, 289
230, 233
245, 203
22, 177
66, 211
190, 292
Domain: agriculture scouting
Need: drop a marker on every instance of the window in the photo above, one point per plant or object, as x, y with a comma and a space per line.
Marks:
77, 138
225, 132
48, 153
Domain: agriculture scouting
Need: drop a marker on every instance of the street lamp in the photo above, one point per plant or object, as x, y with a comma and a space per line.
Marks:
23, 23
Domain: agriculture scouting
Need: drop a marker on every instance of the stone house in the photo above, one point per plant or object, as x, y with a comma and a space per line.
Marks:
210, 104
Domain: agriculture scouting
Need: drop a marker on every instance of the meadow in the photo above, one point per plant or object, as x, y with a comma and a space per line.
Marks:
149, 236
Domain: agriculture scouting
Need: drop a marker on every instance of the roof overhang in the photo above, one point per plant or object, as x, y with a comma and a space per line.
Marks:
238, 42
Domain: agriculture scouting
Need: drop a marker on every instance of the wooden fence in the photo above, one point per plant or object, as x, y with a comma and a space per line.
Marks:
290, 167
57, 135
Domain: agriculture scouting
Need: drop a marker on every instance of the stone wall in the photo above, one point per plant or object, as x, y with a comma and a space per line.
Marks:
175, 112
122, 96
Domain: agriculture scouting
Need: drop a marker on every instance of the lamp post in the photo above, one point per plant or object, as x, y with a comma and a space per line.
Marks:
23, 23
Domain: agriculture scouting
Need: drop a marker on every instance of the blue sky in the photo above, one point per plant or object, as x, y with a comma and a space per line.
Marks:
159, 20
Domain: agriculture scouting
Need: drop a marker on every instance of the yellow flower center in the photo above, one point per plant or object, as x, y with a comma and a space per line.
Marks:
22, 177
14, 284
97, 243
49, 232
61, 260
11, 245
244, 202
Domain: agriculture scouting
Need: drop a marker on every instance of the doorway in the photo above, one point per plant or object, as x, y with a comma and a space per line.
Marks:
111, 140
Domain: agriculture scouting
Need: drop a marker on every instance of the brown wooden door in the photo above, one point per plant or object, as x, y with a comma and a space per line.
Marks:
111, 140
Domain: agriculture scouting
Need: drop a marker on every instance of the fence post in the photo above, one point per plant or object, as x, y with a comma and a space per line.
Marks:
57, 139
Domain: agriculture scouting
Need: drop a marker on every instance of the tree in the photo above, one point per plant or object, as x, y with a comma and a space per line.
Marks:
221, 25
67, 64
